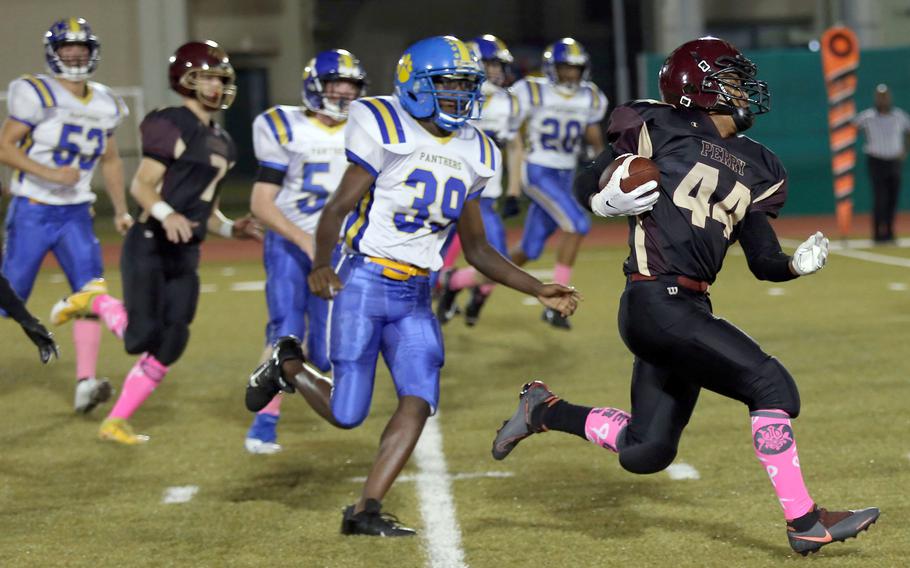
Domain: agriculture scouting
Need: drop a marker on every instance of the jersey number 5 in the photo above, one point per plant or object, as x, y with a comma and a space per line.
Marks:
452, 199
730, 211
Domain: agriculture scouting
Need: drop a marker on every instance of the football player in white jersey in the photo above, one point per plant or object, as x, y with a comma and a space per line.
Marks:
500, 120
301, 160
60, 127
559, 110
417, 168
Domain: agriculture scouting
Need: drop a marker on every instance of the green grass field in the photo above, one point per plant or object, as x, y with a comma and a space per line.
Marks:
67, 499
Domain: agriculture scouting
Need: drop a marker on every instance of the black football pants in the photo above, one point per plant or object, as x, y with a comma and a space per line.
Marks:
680, 347
886, 187
160, 291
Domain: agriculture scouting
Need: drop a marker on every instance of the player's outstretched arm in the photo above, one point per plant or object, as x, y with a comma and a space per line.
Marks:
766, 259
11, 134
114, 185
487, 260
36, 332
354, 185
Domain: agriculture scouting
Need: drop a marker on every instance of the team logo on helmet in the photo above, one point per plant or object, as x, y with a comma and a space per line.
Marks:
405, 66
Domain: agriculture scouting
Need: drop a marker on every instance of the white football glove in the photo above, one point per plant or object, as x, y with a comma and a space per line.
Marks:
611, 201
811, 255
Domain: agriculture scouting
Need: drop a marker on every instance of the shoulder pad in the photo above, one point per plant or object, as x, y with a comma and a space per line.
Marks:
482, 153
380, 118
279, 124
42, 88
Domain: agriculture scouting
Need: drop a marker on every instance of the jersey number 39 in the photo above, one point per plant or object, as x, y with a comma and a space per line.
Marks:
448, 203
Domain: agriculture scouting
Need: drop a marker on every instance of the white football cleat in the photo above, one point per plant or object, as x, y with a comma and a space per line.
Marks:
255, 446
90, 393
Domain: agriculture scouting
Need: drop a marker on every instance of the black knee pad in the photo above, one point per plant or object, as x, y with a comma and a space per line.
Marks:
647, 457
139, 338
778, 390
173, 343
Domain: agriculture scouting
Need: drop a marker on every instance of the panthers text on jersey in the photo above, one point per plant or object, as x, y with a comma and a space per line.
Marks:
310, 154
196, 155
707, 183
499, 119
66, 130
557, 119
422, 181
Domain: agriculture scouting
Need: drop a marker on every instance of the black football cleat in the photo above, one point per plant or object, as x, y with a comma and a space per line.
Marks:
555, 319
519, 426
472, 310
372, 522
266, 381
446, 308
832, 526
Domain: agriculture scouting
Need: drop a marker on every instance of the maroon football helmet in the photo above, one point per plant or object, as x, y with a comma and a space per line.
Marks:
710, 74
197, 58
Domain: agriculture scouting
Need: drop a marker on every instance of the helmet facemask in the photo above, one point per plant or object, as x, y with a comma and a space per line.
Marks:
456, 95
219, 100
740, 94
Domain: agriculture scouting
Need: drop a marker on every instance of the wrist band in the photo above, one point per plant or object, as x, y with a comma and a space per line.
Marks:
226, 229
160, 210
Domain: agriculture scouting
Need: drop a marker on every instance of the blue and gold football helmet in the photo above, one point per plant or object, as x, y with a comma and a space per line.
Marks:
68, 31
566, 51
495, 56
331, 65
420, 72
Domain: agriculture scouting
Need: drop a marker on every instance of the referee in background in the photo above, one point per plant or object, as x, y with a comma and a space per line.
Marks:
887, 132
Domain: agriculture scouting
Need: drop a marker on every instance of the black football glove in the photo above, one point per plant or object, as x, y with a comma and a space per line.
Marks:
510, 207
41, 337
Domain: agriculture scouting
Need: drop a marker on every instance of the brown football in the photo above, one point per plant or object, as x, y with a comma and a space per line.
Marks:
641, 170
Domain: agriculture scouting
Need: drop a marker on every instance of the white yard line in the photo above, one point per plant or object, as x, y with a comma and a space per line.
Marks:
252, 286
682, 470
441, 532
179, 494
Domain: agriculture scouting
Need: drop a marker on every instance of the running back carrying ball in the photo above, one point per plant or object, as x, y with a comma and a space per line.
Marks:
628, 186
639, 171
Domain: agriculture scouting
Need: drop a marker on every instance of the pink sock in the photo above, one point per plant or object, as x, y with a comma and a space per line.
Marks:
87, 340
463, 278
775, 448
486, 289
112, 312
139, 384
452, 253
562, 274
274, 407
603, 426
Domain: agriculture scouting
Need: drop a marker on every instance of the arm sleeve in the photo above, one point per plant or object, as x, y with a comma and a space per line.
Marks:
272, 156
161, 139
586, 182
771, 199
24, 103
763, 253
361, 148
11, 303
